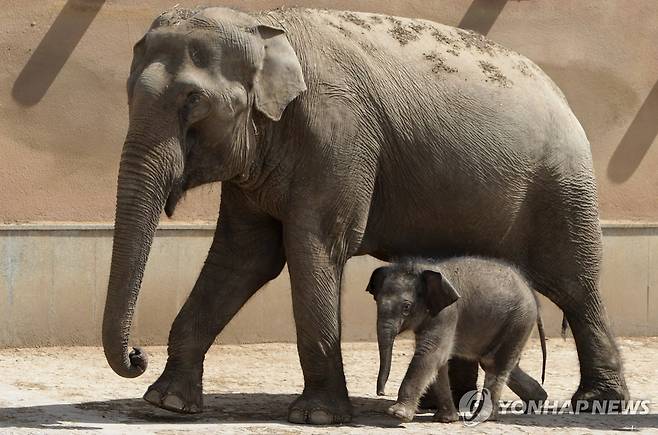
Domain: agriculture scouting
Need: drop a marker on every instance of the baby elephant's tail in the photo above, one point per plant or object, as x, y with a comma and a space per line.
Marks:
542, 337
542, 340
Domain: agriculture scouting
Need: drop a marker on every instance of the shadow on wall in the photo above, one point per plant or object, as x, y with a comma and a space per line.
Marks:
54, 50
481, 15
77, 15
637, 140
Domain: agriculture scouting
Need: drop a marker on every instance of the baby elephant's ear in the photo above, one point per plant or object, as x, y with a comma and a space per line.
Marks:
439, 292
376, 280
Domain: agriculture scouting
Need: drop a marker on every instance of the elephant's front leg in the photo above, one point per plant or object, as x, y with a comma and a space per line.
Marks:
246, 253
315, 277
422, 371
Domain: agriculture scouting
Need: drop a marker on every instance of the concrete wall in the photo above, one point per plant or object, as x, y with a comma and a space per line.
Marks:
53, 283
63, 65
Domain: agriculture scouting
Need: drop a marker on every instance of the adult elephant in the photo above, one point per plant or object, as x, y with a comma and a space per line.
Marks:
338, 134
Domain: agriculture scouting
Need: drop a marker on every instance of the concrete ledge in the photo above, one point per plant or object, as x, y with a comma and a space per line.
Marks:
210, 225
53, 280
99, 226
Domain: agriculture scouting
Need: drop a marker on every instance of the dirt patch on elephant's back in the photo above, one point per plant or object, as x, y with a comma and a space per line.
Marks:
355, 19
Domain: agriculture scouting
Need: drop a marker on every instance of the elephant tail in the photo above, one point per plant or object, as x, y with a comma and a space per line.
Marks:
542, 337
542, 341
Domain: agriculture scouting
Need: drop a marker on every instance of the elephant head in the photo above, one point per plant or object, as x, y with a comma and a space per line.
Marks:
405, 297
198, 81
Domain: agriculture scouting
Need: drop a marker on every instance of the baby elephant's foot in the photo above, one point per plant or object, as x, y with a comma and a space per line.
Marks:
446, 416
405, 413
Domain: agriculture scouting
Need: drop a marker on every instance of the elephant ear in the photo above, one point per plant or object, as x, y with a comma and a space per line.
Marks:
280, 79
439, 292
376, 280
138, 54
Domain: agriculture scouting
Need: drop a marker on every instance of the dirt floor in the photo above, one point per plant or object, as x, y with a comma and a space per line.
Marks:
248, 389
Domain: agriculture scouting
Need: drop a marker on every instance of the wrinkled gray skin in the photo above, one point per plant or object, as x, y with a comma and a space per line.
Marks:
472, 308
463, 375
341, 134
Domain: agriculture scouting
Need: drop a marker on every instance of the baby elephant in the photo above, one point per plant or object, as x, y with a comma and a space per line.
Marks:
472, 308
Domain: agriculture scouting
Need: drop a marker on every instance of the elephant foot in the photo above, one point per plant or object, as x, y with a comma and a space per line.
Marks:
406, 413
322, 409
446, 416
177, 392
607, 397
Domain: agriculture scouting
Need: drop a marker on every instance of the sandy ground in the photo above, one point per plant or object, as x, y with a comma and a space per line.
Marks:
248, 389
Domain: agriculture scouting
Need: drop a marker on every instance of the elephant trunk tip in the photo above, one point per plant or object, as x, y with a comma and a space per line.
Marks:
139, 360
134, 364
381, 383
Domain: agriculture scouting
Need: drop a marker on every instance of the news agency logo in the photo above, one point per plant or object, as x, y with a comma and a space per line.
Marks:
476, 406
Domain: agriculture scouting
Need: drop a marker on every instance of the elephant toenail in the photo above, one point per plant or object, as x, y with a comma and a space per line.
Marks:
320, 417
194, 409
173, 402
297, 416
153, 397
343, 419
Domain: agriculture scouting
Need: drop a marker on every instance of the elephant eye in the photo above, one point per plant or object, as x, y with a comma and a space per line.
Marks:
406, 308
196, 107
193, 99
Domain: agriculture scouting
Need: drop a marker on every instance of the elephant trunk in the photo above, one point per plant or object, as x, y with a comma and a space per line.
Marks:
385, 339
146, 175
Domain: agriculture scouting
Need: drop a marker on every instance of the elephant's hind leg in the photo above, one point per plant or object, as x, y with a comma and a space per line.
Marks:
246, 253
601, 376
525, 386
564, 262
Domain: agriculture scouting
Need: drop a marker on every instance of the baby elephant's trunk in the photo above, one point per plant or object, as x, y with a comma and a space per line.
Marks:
385, 341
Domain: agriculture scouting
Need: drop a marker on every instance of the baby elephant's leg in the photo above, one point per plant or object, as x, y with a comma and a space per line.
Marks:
504, 361
494, 380
420, 374
525, 386
446, 412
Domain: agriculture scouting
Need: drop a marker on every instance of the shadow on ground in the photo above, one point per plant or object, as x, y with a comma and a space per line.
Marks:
241, 408
608, 422
223, 408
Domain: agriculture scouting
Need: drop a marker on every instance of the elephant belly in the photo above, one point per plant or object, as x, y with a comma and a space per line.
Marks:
444, 227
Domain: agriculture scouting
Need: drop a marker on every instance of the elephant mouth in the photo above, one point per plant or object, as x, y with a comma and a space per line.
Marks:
181, 185
175, 195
